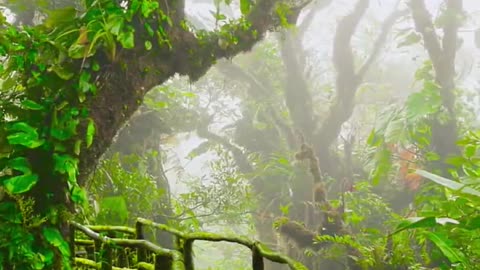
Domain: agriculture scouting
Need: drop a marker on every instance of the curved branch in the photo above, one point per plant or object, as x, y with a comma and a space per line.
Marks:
122, 85
347, 80
424, 25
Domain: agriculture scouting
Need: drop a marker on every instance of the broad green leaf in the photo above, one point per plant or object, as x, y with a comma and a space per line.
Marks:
20, 164
383, 165
452, 255
84, 82
148, 6
90, 133
423, 222
32, 105
148, 45
22, 126
79, 195
20, 184
126, 38
24, 139
422, 104
66, 164
114, 209
218, 16
115, 24
431, 156
470, 150
78, 51
26, 135
449, 183
54, 238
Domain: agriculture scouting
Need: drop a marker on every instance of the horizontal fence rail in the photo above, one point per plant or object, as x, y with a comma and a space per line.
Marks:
120, 247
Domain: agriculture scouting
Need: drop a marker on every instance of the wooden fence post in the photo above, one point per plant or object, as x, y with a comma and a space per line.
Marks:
163, 262
141, 253
187, 250
106, 257
257, 259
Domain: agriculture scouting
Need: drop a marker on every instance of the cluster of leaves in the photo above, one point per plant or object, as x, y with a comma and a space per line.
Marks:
448, 209
19, 246
37, 133
445, 219
406, 126
224, 198
46, 74
367, 218
120, 195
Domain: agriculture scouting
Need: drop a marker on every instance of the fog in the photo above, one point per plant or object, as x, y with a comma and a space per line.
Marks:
389, 81
322, 129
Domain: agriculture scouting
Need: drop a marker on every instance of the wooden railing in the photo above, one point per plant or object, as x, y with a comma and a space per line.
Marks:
119, 247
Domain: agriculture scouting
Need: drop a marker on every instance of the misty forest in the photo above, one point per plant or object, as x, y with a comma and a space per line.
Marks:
240, 134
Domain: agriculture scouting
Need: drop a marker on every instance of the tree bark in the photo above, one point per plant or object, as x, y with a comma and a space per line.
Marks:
442, 54
123, 84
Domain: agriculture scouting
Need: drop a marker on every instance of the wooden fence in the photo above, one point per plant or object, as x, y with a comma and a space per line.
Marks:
119, 247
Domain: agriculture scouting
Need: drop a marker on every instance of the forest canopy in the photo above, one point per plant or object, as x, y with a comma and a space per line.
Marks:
311, 134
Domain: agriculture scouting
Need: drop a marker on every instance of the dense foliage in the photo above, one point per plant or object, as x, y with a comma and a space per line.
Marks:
341, 156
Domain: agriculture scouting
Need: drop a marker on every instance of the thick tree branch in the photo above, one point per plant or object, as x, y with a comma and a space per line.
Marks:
449, 42
346, 82
442, 54
297, 95
424, 25
123, 84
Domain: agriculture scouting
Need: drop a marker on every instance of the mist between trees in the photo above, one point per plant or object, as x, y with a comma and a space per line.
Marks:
239, 134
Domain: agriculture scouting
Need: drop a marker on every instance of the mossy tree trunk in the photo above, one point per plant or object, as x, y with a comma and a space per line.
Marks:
121, 81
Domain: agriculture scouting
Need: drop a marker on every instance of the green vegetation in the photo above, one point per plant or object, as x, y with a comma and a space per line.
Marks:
139, 133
